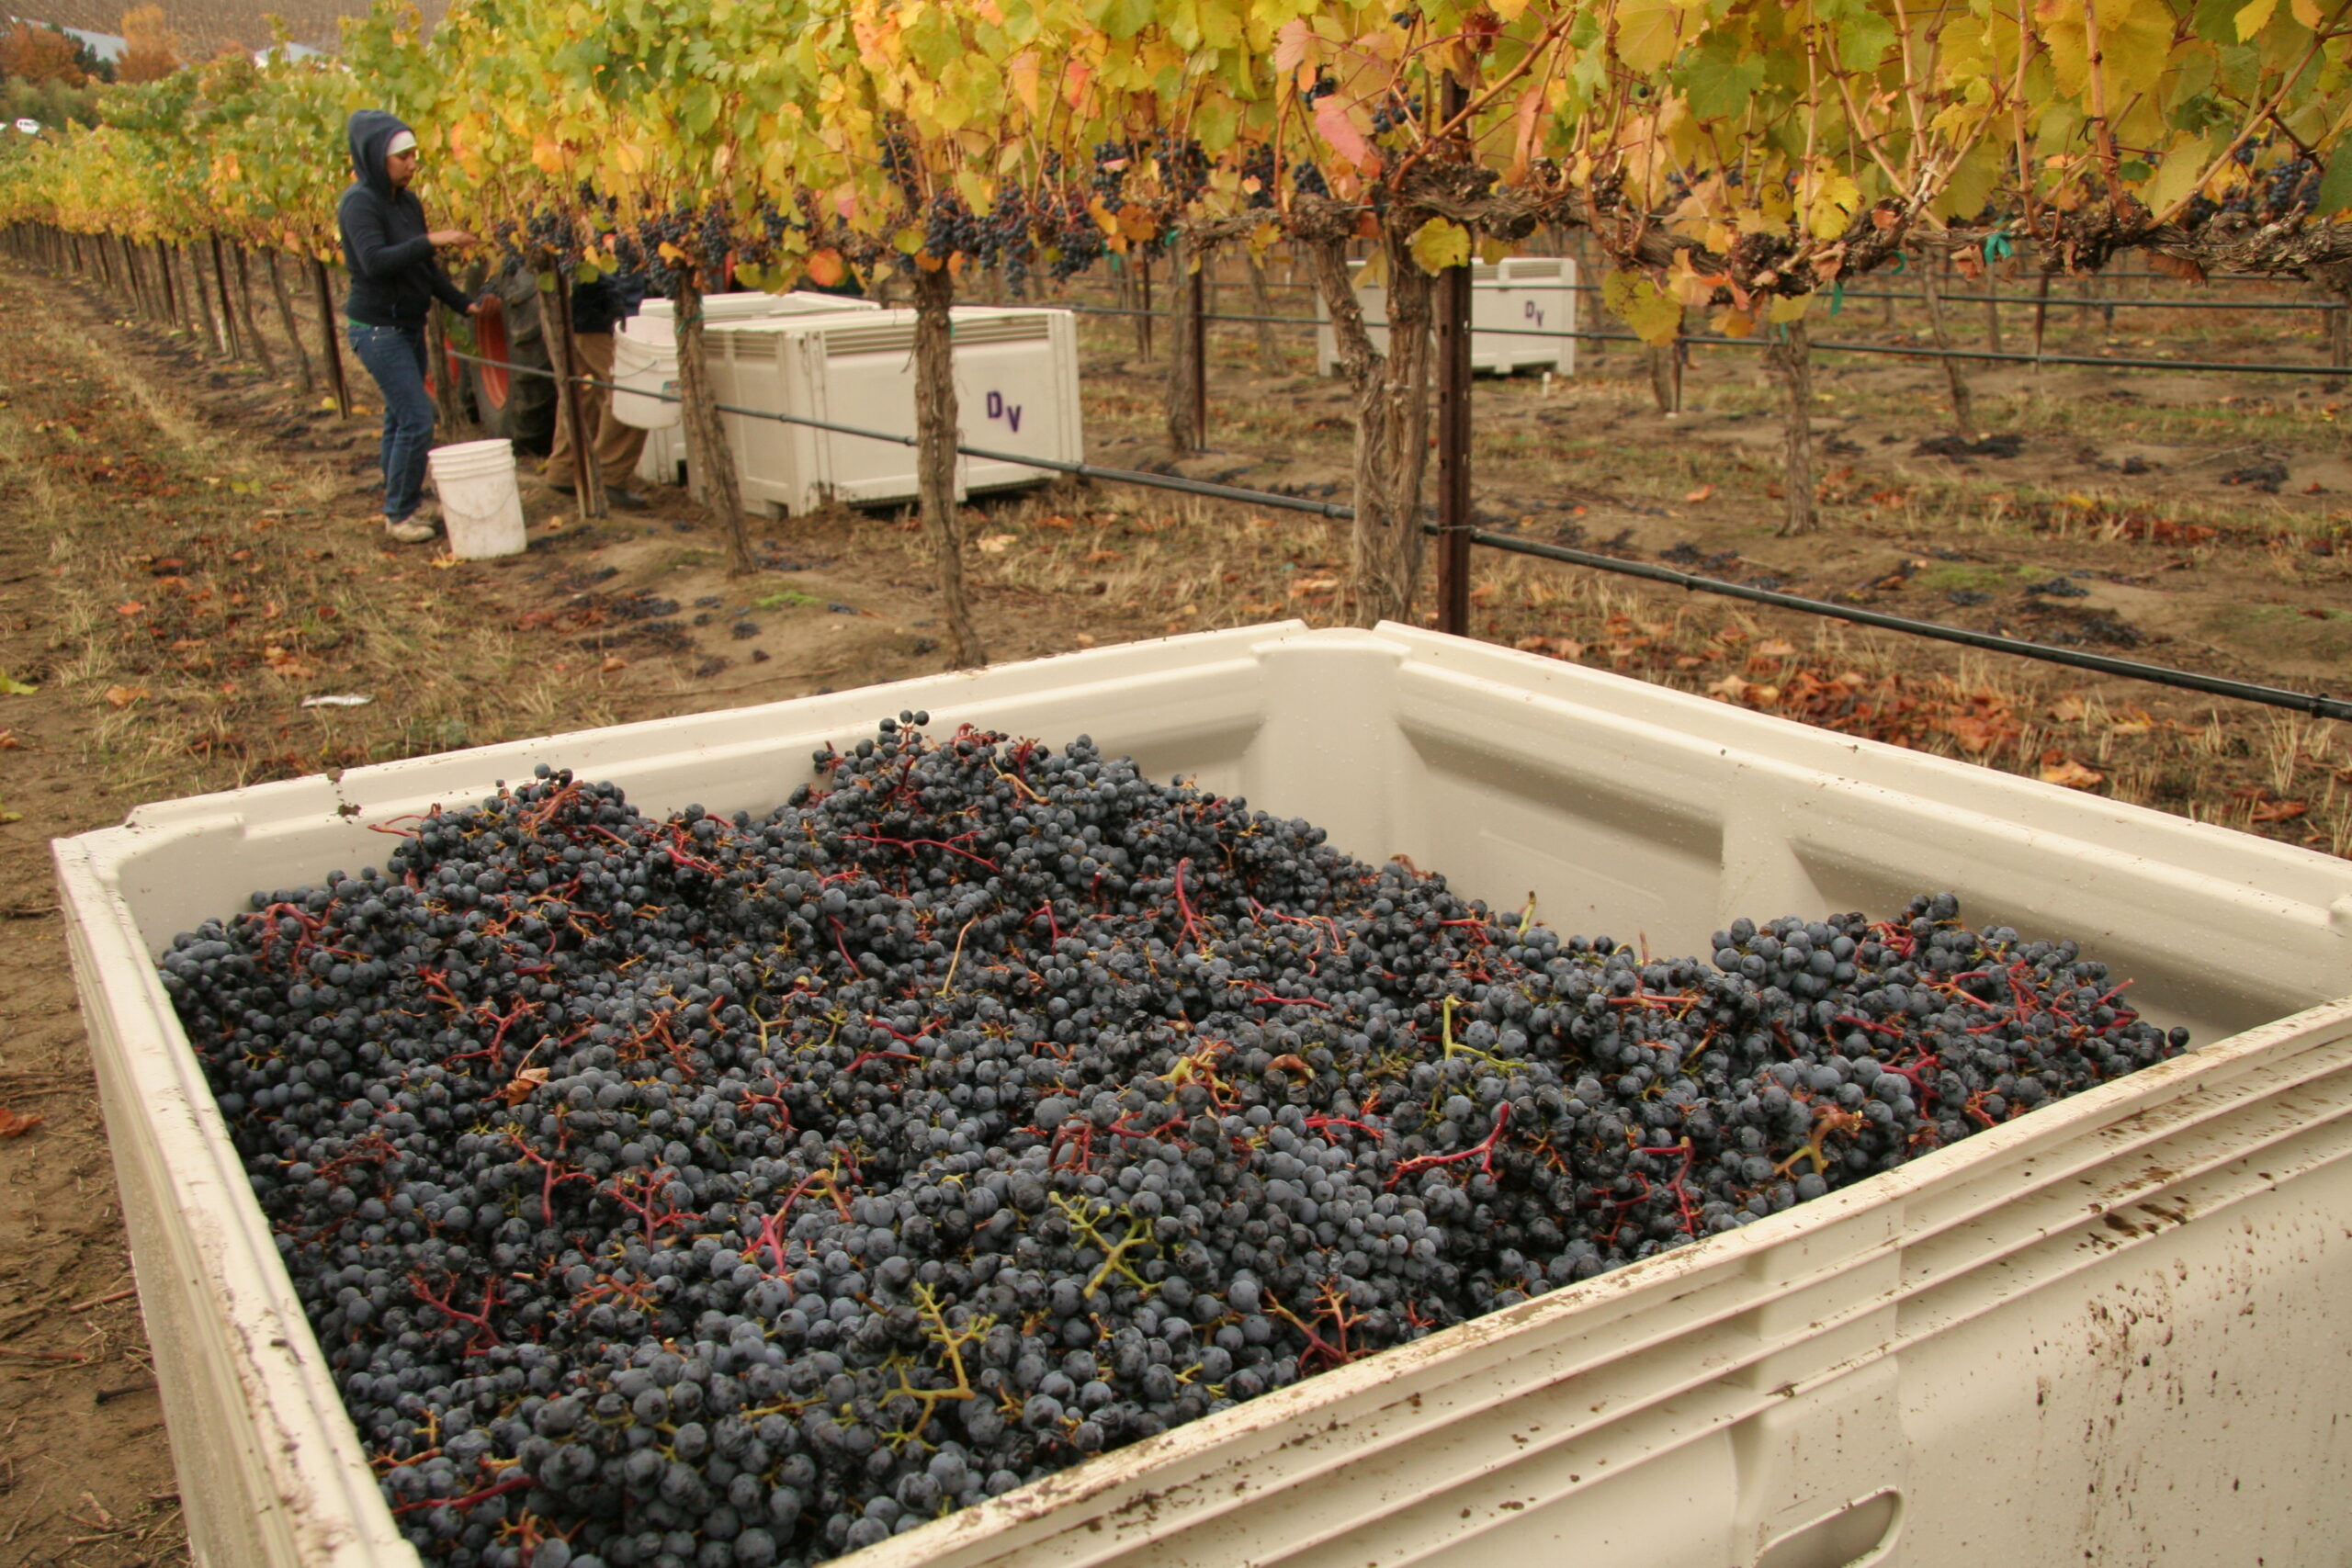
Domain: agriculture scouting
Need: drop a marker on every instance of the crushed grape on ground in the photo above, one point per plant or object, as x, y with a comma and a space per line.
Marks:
739, 1193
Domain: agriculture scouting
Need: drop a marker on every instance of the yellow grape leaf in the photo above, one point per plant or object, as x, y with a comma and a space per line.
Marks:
1730, 322
1106, 219
1508, 10
1649, 32
2176, 177
2253, 18
1642, 306
979, 193
2307, 13
1440, 243
907, 241
672, 254
1493, 251
1783, 310
548, 156
1834, 203
1023, 71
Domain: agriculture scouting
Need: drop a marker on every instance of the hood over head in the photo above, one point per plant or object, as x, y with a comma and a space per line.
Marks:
371, 132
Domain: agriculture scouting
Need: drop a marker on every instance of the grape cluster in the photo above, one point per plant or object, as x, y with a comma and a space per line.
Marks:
1394, 112
741, 1191
1257, 164
1183, 166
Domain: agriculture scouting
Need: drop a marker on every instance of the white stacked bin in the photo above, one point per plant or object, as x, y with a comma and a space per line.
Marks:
2109, 1331
1513, 303
1016, 391
645, 363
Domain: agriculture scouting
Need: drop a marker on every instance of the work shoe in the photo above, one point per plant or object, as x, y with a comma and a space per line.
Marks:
416, 528
627, 499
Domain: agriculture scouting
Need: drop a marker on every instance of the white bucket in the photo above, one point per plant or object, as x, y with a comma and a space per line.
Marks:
480, 503
640, 368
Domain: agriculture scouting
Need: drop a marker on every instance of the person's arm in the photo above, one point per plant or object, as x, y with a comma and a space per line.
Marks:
446, 290
373, 253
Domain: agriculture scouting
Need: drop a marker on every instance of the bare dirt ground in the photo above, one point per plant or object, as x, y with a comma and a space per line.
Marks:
188, 551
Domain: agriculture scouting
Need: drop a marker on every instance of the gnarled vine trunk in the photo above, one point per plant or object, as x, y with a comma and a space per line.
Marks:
1392, 419
935, 441
1789, 358
288, 325
1261, 305
1964, 407
245, 300
1187, 367
708, 456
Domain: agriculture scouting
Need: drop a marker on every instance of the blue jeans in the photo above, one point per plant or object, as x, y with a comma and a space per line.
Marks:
395, 356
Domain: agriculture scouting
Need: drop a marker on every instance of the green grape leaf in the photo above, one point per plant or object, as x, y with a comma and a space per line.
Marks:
1441, 243
2336, 186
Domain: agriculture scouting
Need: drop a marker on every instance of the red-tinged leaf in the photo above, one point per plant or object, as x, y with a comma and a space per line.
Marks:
13, 1125
1332, 124
2280, 811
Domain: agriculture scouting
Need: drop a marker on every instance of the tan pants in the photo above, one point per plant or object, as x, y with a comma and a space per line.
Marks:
616, 446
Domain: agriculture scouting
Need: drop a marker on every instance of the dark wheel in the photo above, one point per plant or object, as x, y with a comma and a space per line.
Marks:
512, 404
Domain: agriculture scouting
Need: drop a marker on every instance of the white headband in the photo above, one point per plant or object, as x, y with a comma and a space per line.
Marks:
402, 141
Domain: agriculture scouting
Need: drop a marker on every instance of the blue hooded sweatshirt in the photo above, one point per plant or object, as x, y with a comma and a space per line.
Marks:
394, 278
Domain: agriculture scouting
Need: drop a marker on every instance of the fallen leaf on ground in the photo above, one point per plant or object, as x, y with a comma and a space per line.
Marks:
12, 687
2279, 810
997, 544
613, 661
130, 608
2071, 774
1774, 648
12, 1126
2067, 710
123, 697
1701, 493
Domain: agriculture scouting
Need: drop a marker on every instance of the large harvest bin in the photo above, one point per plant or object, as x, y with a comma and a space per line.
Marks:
2110, 1331
645, 366
1520, 307
1016, 391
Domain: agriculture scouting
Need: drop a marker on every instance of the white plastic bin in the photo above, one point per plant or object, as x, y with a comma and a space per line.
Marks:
1016, 391
662, 461
2107, 1332
1512, 303
645, 352
482, 506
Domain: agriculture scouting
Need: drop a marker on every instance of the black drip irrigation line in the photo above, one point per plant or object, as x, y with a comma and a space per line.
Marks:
1818, 346
2318, 706
2158, 674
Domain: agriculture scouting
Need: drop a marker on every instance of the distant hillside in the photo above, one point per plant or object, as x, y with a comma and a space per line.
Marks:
205, 28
